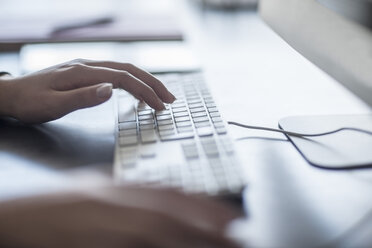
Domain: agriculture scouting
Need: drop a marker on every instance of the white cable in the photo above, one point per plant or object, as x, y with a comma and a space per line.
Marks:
298, 134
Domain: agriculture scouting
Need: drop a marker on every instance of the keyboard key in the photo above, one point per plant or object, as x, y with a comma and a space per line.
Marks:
166, 132
189, 87
178, 101
127, 132
128, 151
216, 119
164, 117
195, 110
221, 130
145, 117
214, 114
178, 105
202, 124
213, 109
198, 100
127, 125
205, 141
183, 118
196, 105
166, 127
198, 114
127, 141
162, 112
148, 136
193, 97
177, 136
190, 151
148, 155
180, 114
217, 169
165, 122
185, 129
184, 124
227, 145
216, 164
128, 163
148, 151
211, 151
145, 112
146, 126
204, 131
219, 124
191, 91
128, 156
188, 143
208, 99
195, 165
176, 110
146, 122
210, 105
200, 119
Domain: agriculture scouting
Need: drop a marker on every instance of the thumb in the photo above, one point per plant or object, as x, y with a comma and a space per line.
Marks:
86, 97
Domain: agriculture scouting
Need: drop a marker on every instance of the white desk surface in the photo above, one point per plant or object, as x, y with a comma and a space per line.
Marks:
257, 78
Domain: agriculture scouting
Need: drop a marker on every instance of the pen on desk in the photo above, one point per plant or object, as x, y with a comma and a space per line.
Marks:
83, 24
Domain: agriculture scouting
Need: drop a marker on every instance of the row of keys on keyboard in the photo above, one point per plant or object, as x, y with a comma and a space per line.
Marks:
210, 167
193, 113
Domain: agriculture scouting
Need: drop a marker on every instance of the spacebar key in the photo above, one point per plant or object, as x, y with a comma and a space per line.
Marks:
177, 136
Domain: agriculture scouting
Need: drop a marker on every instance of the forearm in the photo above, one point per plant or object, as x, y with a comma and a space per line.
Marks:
6, 96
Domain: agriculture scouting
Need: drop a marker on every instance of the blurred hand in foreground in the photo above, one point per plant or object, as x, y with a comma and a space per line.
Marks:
115, 217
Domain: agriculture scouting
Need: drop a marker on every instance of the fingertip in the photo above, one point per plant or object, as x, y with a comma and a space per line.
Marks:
170, 98
160, 106
157, 104
162, 91
104, 91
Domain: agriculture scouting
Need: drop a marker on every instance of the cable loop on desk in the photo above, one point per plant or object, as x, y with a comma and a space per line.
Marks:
299, 134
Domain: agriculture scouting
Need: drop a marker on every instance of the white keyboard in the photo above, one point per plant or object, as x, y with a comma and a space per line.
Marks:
185, 146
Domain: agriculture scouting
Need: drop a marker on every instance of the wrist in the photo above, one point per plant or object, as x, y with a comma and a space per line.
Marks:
6, 96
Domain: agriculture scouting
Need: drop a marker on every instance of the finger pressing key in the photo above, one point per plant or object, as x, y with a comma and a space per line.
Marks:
142, 75
119, 79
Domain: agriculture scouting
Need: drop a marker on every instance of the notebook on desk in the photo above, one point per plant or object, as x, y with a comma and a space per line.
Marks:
15, 33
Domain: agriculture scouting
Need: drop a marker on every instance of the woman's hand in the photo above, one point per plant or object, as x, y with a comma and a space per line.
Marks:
115, 217
56, 91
